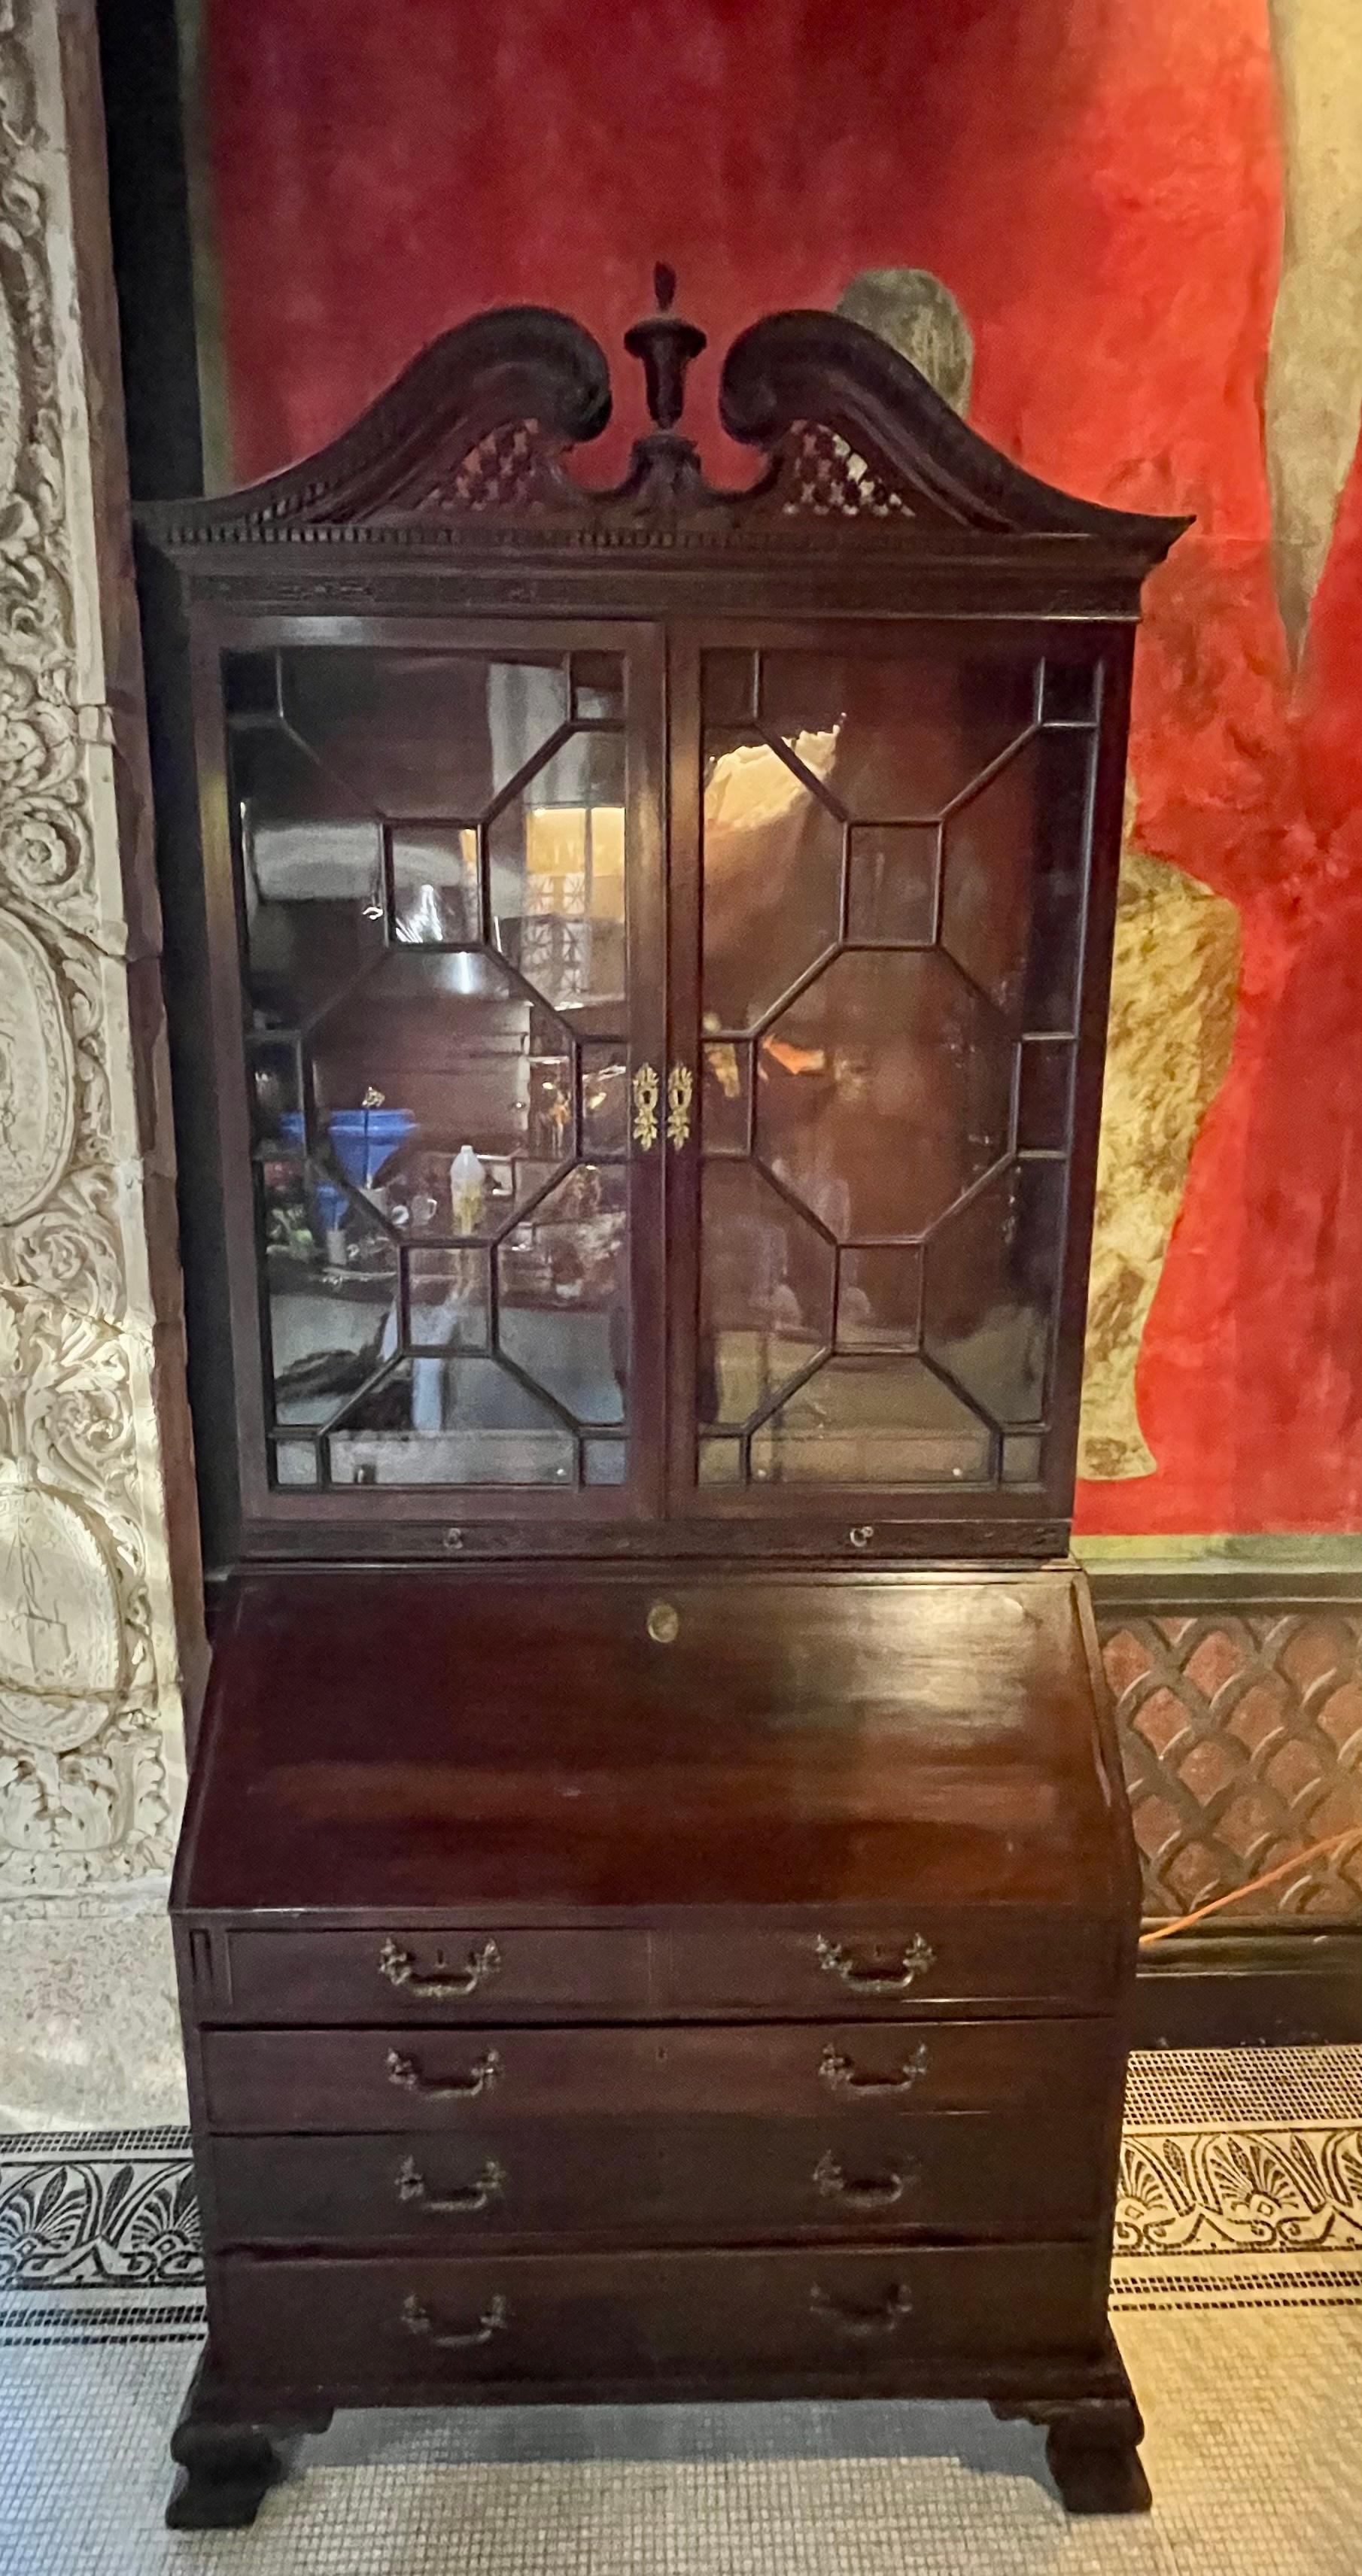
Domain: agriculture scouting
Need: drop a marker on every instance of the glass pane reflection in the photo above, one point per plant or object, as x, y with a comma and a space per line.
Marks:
912, 729
444, 1092
423, 733
884, 1092
431, 851
766, 1291
451, 1422
563, 1304
991, 1278
866, 1422
331, 1284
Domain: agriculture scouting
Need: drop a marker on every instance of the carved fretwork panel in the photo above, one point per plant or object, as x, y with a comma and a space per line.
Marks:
1241, 1737
511, 468
824, 478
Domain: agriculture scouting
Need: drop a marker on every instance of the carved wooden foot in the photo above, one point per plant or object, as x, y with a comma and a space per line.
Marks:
1093, 2451
226, 2466
1092, 2443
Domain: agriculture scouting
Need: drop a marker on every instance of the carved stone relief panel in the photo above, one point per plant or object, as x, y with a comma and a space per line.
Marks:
92, 1635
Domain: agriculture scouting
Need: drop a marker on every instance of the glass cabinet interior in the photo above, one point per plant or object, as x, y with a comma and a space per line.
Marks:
665, 1057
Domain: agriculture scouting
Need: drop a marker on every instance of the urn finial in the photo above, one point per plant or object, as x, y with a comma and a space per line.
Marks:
666, 345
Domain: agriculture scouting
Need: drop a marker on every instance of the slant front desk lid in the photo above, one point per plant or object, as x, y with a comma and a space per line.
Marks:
527, 1747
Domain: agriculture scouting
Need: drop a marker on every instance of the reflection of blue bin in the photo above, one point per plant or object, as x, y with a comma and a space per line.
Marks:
363, 1138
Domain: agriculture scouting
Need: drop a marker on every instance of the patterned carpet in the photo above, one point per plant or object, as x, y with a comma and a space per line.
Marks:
1237, 2295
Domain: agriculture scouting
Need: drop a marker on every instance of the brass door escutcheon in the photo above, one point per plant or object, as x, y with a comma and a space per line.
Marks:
680, 1093
647, 1095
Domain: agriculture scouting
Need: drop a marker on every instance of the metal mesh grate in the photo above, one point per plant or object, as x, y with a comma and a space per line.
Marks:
1205, 2087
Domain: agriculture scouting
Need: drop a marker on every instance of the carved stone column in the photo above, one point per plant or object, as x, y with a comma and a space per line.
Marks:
99, 1613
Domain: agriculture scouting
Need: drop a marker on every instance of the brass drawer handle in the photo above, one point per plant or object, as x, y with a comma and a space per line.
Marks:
840, 2076
831, 2182
916, 1957
400, 1969
680, 1093
481, 2076
495, 2318
647, 1094
883, 2320
414, 2190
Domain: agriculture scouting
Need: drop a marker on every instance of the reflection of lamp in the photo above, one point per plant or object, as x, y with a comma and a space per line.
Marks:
751, 786
570, 866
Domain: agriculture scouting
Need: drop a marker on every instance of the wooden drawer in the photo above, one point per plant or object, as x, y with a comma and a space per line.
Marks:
929, 1961
366, 2080
461, 1976
363, 2327
686, 2180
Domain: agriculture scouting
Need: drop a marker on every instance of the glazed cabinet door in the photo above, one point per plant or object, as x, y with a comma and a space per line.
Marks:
441, 1064
881, 838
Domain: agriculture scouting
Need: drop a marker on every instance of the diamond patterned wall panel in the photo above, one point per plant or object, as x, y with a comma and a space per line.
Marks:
1241, 1737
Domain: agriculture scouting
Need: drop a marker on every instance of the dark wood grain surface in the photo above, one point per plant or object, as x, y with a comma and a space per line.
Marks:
442, 2321
659, 2178
453, 2081
522, 1744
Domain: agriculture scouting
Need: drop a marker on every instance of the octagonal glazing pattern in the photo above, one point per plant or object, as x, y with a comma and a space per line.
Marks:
863, 1060
883, 1092
432, 872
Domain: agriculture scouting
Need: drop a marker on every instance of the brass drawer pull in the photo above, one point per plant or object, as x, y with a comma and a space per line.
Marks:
495, 2318
481, 2076
840, 2076
647, 1094
883, 2320
916, 1957
415, 2191
400, 1969
830, 2181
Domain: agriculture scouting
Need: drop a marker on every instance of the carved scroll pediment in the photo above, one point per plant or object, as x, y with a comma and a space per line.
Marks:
475, 435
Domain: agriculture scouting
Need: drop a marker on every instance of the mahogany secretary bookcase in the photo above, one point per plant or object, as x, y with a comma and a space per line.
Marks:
656, 1910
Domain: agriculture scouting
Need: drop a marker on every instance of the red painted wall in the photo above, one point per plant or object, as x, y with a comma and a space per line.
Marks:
1099, 182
